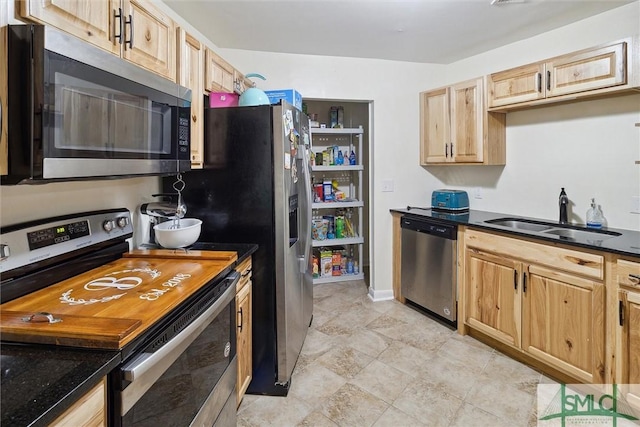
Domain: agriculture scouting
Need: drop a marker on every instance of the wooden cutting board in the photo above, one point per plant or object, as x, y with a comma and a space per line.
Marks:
182, 254
108, 306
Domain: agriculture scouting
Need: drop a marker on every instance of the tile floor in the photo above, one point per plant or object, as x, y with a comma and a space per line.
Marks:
385, 364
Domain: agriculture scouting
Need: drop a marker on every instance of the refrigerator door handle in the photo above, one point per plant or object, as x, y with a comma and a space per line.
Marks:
305, 261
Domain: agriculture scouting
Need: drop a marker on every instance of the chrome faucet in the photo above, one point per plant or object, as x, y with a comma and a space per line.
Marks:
564, 204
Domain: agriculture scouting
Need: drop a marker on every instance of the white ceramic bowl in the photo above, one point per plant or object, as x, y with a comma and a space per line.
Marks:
186, 234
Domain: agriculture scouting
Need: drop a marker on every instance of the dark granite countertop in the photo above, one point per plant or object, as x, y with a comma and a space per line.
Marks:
628, 243
38, 383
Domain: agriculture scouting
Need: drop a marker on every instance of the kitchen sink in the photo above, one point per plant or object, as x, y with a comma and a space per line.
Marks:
572, 233
521, 224
566, 232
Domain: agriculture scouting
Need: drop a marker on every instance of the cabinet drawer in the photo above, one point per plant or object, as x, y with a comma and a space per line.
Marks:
245, 274
560, 258
629, 273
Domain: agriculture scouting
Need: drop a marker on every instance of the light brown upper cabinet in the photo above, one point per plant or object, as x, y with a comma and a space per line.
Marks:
219, 74
602, 69
455, 127
136, 30
191, 75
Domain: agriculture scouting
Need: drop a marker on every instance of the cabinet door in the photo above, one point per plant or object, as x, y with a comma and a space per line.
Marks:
435, 126
493, 295
563, 322
243, 338
516, 85
467, 122
587, 70
150, 39
191, 75
630, 348
92, 21
218, 73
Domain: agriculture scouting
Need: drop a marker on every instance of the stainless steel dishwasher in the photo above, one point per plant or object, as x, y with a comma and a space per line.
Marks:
428, 266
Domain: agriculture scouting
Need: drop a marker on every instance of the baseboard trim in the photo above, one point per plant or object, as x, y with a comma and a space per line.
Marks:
380, 295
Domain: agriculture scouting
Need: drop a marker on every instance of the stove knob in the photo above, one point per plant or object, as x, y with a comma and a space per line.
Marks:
122, 221
108, 225
5, 252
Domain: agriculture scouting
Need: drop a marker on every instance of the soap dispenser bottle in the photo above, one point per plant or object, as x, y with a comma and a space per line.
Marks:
595, 219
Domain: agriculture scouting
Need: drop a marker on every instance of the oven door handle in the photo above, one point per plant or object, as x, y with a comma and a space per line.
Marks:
144, 370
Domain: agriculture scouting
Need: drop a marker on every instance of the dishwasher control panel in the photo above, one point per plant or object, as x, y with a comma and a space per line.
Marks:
447, 231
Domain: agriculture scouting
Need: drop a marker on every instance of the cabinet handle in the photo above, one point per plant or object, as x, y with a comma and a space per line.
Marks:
515, 279
539, 79
524, 282
118, 16
634, 278
246, 273
621, 313
241, 322
446, 150
130, 23
548, 80
451, 151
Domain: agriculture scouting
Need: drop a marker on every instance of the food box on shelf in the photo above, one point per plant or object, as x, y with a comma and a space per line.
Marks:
223, 99
292, 96
336, 261
326, 263
316, 265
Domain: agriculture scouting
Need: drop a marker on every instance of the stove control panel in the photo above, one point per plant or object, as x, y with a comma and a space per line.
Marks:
37, 241
58, 234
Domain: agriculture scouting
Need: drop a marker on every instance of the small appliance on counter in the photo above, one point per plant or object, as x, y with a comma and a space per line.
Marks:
168, 228
450, 201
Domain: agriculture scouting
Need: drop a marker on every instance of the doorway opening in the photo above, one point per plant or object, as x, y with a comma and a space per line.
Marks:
350, 115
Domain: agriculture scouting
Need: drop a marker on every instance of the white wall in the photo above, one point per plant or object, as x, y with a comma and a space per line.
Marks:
588, 147
21, 203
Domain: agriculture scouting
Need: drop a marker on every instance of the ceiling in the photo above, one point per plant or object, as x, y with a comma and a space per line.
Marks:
429, 31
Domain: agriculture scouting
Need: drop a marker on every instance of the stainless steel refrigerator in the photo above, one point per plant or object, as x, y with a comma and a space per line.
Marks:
256, 188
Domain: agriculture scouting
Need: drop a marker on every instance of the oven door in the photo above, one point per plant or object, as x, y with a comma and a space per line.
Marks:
189, 380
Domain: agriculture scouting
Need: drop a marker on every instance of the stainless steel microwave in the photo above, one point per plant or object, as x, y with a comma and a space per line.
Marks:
77, 112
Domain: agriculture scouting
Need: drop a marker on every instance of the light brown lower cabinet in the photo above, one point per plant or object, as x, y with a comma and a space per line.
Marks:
535, 298
563, 322
629, 350
243, 333
628, 344
88, 411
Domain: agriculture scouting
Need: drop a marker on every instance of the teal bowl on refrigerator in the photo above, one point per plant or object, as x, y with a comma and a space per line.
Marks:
450, 200
253, 96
